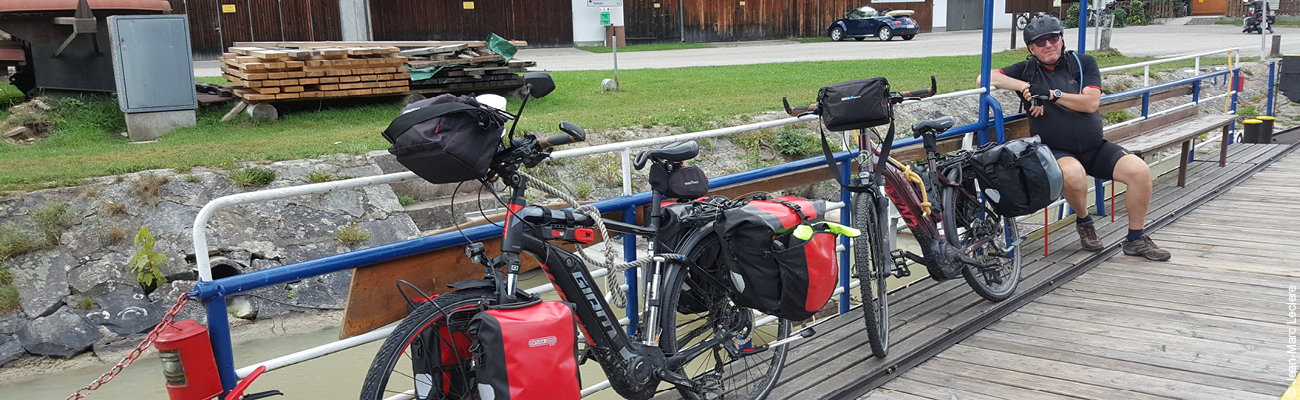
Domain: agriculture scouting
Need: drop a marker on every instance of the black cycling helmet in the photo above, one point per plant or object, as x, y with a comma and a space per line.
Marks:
1040, 26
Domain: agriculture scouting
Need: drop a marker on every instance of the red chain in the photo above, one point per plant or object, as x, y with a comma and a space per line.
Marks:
139, 350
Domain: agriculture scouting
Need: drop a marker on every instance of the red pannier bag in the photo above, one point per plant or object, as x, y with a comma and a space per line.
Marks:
526, 351
772, 269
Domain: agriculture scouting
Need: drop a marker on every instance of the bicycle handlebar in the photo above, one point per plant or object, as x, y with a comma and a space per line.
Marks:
572, 133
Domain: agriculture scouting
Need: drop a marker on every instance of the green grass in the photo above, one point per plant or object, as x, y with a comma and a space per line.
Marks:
252, 176
644, 47
819, 39
216, 80
87, 141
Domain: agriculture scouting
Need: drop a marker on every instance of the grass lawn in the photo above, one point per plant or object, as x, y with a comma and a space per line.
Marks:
87, 141
644, 47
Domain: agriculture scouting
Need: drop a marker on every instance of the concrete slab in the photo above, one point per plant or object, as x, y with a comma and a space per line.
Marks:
150, 126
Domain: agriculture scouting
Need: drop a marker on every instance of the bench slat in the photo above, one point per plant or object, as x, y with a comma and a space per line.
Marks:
1168, 135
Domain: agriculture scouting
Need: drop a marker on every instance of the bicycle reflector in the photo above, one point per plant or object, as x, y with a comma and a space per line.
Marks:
188, 365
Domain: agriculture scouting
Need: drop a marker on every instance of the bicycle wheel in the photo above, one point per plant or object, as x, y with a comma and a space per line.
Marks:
966, 223
750, 376
401, 366
870, 264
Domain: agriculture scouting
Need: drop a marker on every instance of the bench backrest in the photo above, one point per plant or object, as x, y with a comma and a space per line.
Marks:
1136, 129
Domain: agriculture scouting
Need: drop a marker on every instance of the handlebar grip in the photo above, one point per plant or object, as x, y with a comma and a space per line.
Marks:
572, 133
918, 93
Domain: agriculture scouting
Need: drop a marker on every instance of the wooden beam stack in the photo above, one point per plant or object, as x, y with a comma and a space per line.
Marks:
468, 67
283, 74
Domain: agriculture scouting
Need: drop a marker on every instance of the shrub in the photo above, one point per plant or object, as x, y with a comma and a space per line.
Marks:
15, 241
114, 235
405, 200
9, 300
1117, 116
351, 234
145, 262
146, 188
1247, 111
55, 218
84, 303
252, 176
797, 143
1137, 14
113, 208
319, 176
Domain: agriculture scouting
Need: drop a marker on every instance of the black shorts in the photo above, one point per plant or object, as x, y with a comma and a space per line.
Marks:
1099, 163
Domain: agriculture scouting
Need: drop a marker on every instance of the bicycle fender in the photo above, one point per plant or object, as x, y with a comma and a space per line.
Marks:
472, 284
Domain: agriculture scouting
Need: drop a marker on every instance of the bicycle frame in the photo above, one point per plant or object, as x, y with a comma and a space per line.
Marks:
631, 366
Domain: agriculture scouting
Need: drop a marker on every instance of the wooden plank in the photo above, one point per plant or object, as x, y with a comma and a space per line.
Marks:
474, 60
267, 90
258, 97
308, 81
243, 75
337, 44
282, 96
347, 86
360, 92
433, 50
1226, 329
293, 89
329, 79
269, 54
349, 79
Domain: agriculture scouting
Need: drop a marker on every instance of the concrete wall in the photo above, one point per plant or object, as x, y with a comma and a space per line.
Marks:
1001, 20
586, 23
354, 17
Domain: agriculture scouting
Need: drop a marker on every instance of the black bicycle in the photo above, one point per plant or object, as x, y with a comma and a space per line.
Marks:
690, 335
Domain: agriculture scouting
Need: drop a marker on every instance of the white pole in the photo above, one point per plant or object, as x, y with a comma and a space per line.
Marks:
1263, 23
1096, 36
615, 45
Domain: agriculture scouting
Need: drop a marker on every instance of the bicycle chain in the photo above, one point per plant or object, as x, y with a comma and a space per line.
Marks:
136, 353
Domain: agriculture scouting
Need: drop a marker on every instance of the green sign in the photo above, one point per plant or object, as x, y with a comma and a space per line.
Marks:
604, 18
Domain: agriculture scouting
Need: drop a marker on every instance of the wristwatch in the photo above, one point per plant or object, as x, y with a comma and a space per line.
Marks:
1056, 95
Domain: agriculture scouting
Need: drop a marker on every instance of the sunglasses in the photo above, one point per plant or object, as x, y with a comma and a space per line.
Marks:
1050, 39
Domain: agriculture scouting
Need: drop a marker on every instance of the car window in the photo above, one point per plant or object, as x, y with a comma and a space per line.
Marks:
861, 13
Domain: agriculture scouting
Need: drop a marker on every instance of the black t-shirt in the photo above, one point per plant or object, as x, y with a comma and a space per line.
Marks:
1062, 128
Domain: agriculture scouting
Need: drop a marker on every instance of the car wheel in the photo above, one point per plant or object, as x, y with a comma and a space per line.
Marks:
837, 34
908, 37
859, 39
885, 34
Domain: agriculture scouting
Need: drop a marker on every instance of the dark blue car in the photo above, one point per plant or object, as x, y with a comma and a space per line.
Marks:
866, 22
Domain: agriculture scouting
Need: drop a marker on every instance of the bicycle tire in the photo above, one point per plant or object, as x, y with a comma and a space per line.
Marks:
378, 384
750, 377
869, 263
960, 212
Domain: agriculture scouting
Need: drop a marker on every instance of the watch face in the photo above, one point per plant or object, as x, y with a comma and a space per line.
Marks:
1056, 93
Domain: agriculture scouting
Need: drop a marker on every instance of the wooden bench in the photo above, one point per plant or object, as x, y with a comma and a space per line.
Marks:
1167, 130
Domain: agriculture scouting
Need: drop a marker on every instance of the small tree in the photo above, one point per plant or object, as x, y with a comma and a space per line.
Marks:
146, 261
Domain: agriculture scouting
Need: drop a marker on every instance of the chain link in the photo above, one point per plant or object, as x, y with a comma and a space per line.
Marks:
135, 354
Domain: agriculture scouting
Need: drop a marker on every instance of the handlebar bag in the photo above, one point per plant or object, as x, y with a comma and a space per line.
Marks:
1018, 177
446, 139
857, 104
773, 270
526, 351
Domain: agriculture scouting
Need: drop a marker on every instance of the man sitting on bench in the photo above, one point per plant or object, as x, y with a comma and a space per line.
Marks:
1069, 124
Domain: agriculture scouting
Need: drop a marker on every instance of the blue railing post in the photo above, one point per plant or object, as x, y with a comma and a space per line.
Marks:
1196, 92
1233, 127
1083, 26
219, 335
845, 277
1100, 187
629, 254
1146, 104
1272, 67
986, 63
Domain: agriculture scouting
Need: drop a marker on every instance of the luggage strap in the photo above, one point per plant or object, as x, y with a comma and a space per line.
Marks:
880, 164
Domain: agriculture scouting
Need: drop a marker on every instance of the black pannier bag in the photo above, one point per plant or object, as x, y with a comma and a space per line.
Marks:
772, 269
446, 139
708, 278
526, 351
857, 104
679, 183
1018, 177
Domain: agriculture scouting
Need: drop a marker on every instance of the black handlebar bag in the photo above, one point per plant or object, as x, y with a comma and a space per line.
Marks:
772, 269
526, 351
857, 104
446, 139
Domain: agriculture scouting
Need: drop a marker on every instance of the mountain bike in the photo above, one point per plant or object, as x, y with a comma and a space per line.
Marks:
690, 336
960, 236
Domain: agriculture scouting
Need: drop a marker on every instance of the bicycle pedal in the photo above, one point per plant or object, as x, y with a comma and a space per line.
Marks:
900, 269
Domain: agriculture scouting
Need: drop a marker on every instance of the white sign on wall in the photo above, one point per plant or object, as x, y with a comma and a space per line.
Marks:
604, 3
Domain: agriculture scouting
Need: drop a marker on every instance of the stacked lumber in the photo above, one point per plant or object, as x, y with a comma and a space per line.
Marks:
264, 74
466, 67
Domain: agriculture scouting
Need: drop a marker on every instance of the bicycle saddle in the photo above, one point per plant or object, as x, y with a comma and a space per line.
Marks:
933, 125
673, 152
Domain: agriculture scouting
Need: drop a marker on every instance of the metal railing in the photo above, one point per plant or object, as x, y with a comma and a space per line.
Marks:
214, 292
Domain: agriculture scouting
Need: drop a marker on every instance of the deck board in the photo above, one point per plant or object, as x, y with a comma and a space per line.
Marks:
1130, 329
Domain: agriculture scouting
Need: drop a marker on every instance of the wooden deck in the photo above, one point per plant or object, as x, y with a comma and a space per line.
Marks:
1211, 323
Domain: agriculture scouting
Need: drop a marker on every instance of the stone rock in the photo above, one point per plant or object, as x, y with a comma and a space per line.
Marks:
260, 264
294, 254
12, 323
42, 281
243, 257
164, 297
305, 225
111, 268
394, 229
16, 131
272, 301
113, 349
608, 85
347, 201
123, 309
10, 349
360, 171
170, 218
62, 334
329, 290
241, 307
